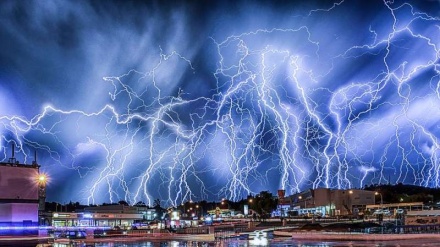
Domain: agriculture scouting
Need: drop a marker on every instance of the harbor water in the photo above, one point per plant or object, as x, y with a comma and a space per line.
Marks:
277, 242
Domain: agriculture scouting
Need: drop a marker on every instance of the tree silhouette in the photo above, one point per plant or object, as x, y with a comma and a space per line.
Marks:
264, 203
122, 202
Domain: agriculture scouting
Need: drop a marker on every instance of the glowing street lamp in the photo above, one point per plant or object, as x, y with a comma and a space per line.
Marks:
42, 179
381, 199
350, 192
225, 202
41, 183
305, 201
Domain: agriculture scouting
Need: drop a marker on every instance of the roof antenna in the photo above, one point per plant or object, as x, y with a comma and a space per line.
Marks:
35, 157
12, 159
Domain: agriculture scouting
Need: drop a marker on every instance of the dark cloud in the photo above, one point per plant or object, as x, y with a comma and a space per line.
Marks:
200, 98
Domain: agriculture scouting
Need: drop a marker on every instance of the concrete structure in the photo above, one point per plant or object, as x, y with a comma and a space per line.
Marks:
119, 216
62, 219
329, 202
18, 214
408, 206
222, 213
424, 217
104, 216
22, 191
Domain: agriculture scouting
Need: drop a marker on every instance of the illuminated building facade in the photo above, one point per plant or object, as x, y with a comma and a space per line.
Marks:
330, 202
103, 216
422, 217
22, 191
85, 219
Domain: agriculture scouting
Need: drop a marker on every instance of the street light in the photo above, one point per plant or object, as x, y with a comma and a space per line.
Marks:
197, 210
350, 192
225, 201
305, 201
381, 199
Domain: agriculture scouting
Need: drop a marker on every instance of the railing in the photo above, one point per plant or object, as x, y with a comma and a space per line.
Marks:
422, 229
129, 233
224, 234
193, 230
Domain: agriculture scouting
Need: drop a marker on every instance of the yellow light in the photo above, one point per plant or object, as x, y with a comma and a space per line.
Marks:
42, 179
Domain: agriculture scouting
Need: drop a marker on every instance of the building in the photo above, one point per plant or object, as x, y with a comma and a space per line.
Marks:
222, 213
85, 219
22, 192
330, 202
423, 217
100, 216
123, 216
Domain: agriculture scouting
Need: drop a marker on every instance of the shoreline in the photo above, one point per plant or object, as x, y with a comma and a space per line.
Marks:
125, 238
307, 235
315, 235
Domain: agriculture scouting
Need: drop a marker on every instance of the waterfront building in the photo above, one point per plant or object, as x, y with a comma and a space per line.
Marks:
330, 202
396, 207
113, 215
223, 213
422, 217
22, 193
103, 216
86, 219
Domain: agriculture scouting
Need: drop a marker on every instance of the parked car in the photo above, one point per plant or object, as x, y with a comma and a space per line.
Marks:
378, 211
385, 212
400, 211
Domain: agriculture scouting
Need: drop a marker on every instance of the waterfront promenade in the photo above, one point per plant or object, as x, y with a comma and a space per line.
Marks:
353, 231
353, 236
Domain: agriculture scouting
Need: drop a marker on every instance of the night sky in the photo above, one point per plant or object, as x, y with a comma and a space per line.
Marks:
133, 100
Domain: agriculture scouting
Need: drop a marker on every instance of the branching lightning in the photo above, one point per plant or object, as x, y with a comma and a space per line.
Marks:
277, 116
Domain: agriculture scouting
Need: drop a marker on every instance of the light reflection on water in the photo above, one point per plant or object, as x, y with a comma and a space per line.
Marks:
274, 243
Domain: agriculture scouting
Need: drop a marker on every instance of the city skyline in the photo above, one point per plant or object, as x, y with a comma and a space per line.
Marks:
133, 101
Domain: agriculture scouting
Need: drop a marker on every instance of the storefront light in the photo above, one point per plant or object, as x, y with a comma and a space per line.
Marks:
88, 216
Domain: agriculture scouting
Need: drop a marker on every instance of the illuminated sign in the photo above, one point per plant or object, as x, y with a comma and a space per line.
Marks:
87, 216
246, 210
58, 215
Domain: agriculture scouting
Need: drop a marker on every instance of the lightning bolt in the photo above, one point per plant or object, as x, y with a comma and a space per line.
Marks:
275, 115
